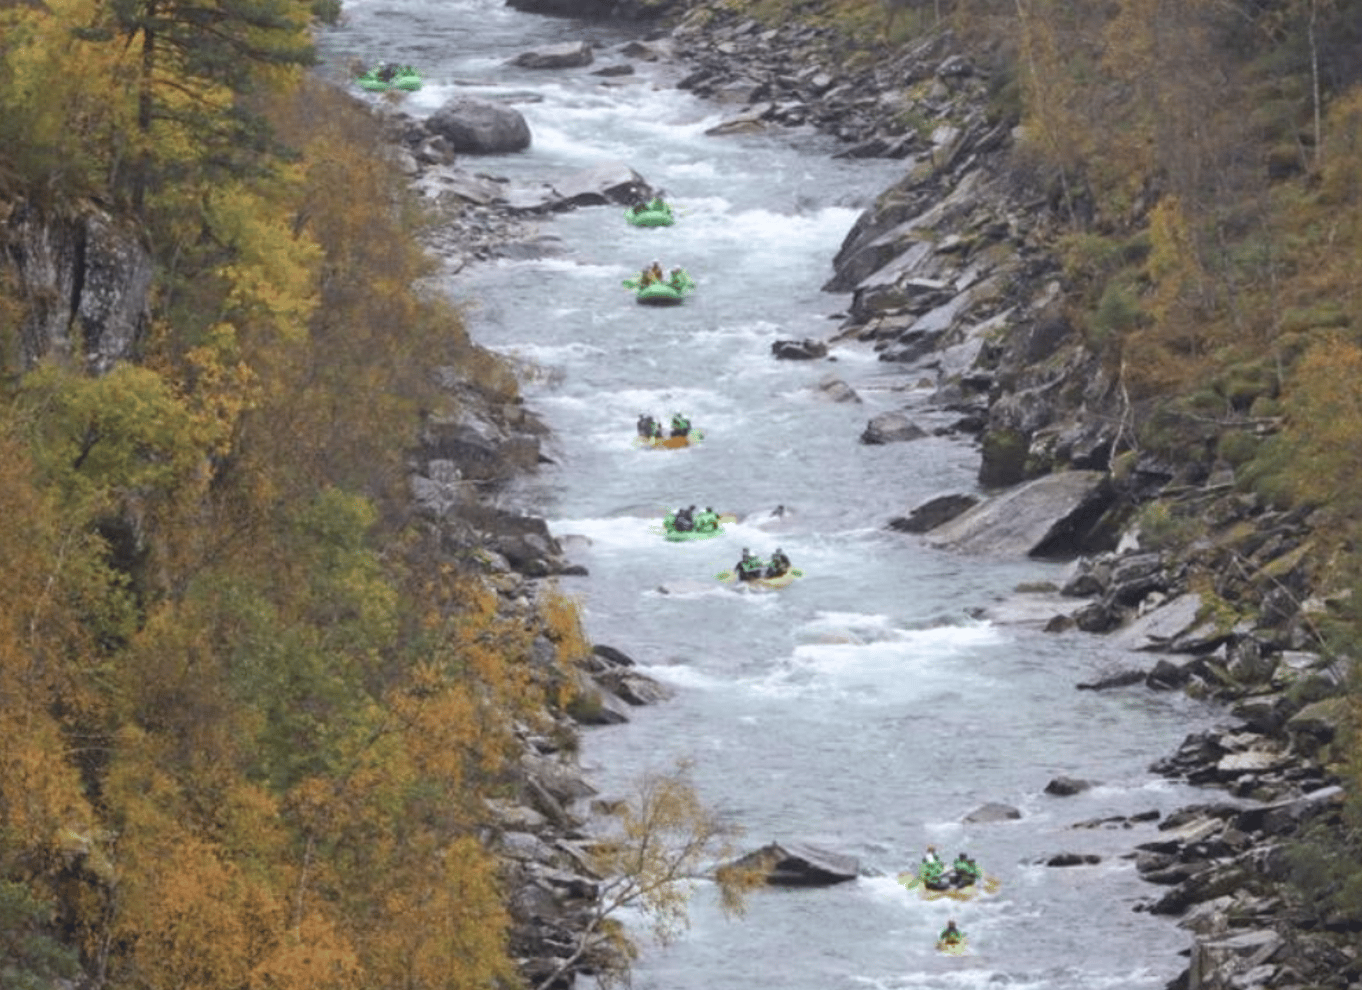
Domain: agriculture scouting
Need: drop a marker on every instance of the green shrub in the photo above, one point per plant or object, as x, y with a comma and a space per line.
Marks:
1117, 311
1238, 447
1161, 528
1322, 315
326, 11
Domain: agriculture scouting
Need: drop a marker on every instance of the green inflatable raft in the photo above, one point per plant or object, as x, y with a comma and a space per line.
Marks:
669, 443
653, 214
667, 292
674, 535
403, 78
784, 581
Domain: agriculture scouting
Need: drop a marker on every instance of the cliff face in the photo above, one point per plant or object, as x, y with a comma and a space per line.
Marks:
85, 276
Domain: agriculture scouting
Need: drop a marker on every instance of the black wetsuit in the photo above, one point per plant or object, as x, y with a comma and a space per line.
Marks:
748, 569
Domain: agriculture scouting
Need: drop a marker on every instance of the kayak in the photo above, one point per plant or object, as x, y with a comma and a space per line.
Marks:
784, 581
406, 79
667, 292
953, 948
654, 214
668, 443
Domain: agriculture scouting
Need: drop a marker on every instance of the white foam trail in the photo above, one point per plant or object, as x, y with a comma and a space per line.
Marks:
616, 532
685, 676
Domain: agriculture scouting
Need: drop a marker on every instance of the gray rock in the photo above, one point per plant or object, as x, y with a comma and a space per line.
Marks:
1169, 675
593, 706
1073, 859
1283, 817
633, 688
563, 781
1122, 678
525, 846
515, 816
933, 513
565, 8
991, 812
567, 55
1213, 960
1157, 627
1026, 520
1252, 761
646, 51
473, 188
799, 350
609, 182
798, 864
836, 390
891, 427
1321, 719
1169, 875
612, 656
479, 127
1067, 786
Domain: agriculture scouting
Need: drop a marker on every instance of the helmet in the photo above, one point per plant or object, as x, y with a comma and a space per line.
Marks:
709, 508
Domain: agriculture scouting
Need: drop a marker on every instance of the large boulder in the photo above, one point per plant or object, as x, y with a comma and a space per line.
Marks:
891, 427
479, 127
797, 864
568, 55
1040, 518
609, 182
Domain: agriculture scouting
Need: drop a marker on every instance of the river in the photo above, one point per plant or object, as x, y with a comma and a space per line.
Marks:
865, 708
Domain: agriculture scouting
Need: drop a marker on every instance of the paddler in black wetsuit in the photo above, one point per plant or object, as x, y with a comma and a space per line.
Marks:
749, 568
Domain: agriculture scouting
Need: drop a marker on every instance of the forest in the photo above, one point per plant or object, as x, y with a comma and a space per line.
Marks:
250, 711
249, 708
